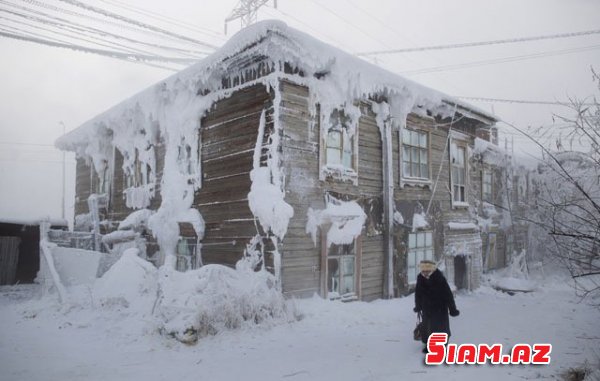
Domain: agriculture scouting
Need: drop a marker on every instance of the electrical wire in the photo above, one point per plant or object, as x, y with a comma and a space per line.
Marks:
482, 43
136, 58
171, 20
500, 60
521, 101
128, 20
65, 24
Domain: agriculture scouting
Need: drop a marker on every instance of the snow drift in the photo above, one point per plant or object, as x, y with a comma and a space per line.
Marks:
190, 305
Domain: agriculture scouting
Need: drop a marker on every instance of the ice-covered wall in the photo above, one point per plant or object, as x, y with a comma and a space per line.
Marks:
171, 112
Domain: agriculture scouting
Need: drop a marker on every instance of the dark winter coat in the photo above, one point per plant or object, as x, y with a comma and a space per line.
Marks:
434, 299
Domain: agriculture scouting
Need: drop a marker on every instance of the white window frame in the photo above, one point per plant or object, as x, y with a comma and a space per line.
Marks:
335, 291
103, 186
487, 195
463, 146
404, 149
419, 247
334, 170
142, 172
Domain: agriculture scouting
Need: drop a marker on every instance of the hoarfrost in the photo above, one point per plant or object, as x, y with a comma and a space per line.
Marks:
168, 116
419, 221
346, 219
136, 219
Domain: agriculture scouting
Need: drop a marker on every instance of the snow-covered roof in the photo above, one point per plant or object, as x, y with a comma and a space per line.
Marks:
280, 44
33, 221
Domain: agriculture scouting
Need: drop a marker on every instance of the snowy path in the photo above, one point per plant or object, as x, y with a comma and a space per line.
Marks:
334, 341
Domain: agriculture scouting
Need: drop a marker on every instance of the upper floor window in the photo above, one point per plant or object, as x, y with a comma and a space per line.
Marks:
458, 175
339, 148
486, 185
139, 174
340, 144
103, 178
338, 155
415, 154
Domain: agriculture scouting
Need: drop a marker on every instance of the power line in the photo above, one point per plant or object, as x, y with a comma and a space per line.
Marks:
96, 19
80, 32
500, 60
306, 25
128, 20
171, 20
136, 58
348, 22
482, 43
64, 23
500, 100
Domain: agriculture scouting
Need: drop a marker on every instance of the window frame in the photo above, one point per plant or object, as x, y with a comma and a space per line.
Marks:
407, 179
325, 257
410, 251
487, 196
462, 145
338, 171
142, 173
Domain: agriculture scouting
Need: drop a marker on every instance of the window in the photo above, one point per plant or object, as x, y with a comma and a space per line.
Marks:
139, 175
341, 271
103, 181
420, 247
415, 154
340, 146
184, 159
486, 185
490, 260
458, 174
186, 254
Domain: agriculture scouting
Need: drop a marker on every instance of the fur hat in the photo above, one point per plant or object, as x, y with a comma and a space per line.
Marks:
427, 265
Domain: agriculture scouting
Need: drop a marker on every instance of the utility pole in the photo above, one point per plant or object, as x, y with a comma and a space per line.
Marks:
64, 165
246, 11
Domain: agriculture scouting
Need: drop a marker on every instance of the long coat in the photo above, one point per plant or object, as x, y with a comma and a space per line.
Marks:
434, 299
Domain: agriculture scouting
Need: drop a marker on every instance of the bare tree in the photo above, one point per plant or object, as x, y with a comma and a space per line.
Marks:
568, 196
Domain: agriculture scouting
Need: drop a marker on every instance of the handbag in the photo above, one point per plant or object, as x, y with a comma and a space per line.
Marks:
418, 328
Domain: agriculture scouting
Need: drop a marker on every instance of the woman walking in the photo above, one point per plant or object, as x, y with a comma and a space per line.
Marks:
434, 300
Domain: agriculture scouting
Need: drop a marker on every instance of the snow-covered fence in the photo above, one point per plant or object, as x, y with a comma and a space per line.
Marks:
79, 240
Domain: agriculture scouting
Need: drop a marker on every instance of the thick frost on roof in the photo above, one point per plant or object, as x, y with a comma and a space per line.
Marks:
170, 114
350, 76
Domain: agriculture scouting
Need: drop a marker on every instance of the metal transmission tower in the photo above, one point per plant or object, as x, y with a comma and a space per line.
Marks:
246, 10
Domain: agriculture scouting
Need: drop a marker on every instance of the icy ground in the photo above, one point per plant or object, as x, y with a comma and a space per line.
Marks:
333, 341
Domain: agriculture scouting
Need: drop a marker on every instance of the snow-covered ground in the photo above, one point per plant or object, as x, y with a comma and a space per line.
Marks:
40, 340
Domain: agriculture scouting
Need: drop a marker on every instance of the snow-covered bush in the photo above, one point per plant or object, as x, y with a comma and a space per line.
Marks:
130, 282
215, 298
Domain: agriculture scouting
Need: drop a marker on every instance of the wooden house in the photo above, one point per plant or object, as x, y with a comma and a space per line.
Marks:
334, 174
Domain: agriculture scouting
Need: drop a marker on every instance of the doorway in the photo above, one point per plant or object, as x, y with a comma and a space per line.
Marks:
460, 272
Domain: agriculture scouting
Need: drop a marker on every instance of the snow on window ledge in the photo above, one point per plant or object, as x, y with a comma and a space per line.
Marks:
139, 197
339, 172
460, 204
415, 181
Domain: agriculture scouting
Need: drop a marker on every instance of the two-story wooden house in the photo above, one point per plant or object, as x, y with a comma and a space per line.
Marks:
334, 174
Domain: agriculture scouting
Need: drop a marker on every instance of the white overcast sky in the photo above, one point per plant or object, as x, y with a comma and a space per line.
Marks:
43, 88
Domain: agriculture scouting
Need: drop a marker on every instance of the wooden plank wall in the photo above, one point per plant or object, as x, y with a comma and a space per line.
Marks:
301, 261
83, 186
228, 137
